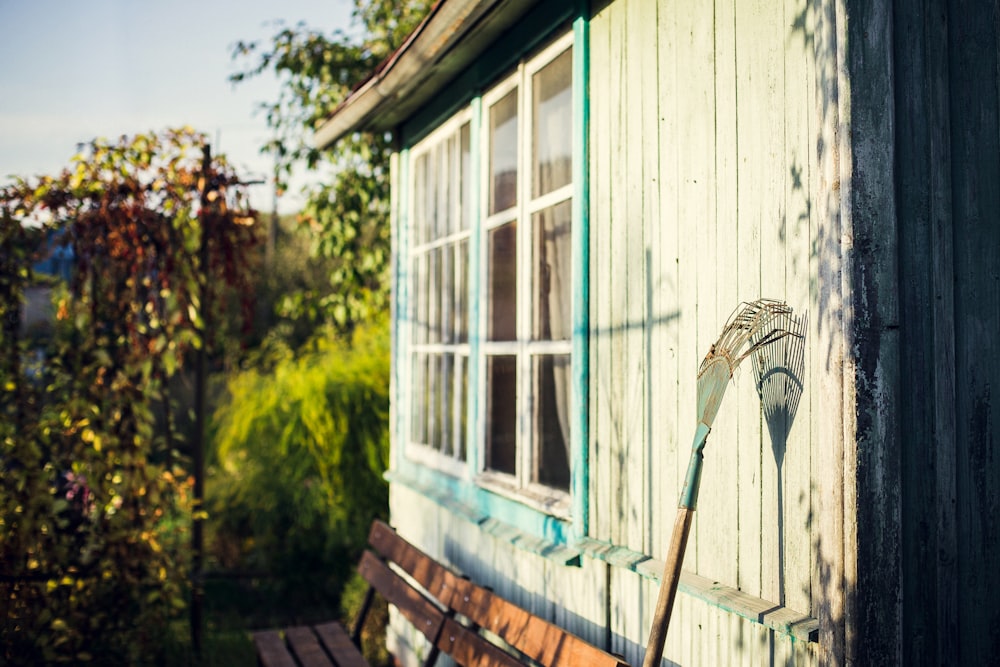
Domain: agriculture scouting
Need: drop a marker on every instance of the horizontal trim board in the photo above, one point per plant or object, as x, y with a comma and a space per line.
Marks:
789, 622
451, 497
763, 612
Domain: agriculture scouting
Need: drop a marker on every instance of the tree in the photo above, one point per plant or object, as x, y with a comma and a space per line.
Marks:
347, 217
94, 517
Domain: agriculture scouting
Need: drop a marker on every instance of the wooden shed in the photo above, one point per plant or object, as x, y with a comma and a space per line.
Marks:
582, 194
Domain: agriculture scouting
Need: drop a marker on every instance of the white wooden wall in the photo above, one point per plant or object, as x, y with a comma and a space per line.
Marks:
703, 194
706, 190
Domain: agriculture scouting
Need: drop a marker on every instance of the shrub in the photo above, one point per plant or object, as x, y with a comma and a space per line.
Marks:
299, 454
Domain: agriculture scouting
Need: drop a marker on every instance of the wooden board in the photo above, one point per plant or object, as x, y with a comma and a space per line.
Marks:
334, 638
271, 649
306, 647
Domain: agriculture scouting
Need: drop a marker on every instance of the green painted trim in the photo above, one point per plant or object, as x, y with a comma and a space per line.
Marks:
581, 284
474, 404
402, 305
689, 495
503, 519
794, 624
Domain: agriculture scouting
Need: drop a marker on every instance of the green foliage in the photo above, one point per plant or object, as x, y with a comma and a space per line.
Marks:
350, 215
300, 452
95, 502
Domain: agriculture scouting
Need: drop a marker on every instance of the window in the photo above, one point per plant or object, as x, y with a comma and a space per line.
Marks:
517, 437
439, 265
527, 230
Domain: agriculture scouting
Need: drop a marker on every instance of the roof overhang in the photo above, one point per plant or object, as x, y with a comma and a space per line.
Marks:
452, 35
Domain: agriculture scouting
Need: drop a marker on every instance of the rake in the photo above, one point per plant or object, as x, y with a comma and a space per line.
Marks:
751, 327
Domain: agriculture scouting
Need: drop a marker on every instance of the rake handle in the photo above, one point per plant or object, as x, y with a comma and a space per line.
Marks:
668, 587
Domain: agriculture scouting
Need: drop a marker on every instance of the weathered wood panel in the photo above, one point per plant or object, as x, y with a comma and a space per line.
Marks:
973, 38
732, 189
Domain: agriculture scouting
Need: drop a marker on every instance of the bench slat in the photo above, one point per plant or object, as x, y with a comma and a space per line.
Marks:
435, 578
417, 609
305, 646
535, 637
468, 648
271, 649
338, 643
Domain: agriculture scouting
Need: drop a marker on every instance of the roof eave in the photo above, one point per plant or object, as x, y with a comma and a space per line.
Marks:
420, 67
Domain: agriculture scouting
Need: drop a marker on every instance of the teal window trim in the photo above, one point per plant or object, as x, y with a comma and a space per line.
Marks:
522, 524
580, 466
476, 257
402, 305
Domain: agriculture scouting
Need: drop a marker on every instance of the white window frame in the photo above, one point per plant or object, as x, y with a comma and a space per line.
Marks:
520, 485
423, 453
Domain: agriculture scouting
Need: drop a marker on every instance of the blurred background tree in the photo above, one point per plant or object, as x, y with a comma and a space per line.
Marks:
300, 437
96, 499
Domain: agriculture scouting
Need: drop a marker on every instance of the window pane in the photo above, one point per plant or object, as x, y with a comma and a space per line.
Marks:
443, 189
420, 200
462, 292
447, 293
445, 406
420, 403
462, 364
502, 297
501, 413
552, 134
551, 277
434, 292
465, 188
551, 420
420, 299
503, 153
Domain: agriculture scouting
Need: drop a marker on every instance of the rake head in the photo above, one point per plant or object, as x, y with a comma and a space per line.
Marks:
752, 326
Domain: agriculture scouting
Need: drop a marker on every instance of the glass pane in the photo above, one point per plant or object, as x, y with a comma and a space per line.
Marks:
465, 190
434, 156
551, 276
420, 321
502, 297
419, 396
434, 401
443, 189
434, 296
446, 413
462, 292
501, 414
447, 293
420, 200
462, 364
503, 153
551, 420
552, 134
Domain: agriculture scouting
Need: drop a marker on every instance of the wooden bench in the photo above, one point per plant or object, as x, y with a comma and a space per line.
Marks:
451, 611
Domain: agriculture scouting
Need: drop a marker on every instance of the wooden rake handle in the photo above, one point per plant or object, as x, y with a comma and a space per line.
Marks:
668, 587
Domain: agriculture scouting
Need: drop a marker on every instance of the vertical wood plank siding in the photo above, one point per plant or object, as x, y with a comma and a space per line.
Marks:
703, 195
924, 206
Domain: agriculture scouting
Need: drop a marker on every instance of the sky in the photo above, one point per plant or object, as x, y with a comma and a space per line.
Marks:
74, 70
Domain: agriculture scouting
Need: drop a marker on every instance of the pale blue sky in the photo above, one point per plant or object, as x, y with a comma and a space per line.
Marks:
72, 70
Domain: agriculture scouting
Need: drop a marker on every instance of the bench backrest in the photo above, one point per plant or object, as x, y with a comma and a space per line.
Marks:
531, 635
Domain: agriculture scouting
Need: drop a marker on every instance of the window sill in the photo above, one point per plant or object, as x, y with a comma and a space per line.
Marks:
546, 548
769, 614
763, 612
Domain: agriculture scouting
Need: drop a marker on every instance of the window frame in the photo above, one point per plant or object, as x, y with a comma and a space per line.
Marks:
423, 453
520, 485
472, 485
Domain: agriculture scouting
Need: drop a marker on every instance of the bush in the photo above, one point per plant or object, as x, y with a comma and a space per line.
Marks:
299, 454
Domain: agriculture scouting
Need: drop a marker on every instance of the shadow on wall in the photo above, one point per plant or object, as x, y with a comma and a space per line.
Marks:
778, 371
